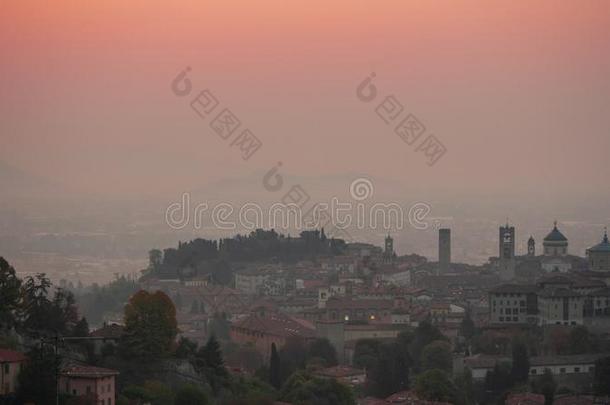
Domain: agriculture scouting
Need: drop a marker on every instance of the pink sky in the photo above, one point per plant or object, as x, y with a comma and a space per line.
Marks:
518, 92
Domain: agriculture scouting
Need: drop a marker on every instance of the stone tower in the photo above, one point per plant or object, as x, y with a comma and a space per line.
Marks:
388, 252
531, 247
507, 252
444, 250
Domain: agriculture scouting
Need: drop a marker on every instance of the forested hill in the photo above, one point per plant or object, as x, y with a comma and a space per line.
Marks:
202, 256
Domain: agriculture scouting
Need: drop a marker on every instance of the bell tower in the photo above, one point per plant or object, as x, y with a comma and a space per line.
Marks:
506, 252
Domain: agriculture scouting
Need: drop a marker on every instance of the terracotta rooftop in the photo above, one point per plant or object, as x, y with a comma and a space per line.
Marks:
276, 323
11, 356
410, 398
340, 372
112, 331
525, 398
79, 371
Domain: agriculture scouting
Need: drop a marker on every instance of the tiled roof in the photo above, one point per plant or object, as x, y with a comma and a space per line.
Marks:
514, 288
11, 356
276, 323
79, 371
410, 398
558, 293
366, 303
340, 371
525, 398
112, 331
574, 400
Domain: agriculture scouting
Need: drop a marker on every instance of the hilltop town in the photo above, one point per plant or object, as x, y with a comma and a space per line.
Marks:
260, 315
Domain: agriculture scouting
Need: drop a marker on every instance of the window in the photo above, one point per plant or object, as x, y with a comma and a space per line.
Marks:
562, 370
577, 369
7, 368
534, 371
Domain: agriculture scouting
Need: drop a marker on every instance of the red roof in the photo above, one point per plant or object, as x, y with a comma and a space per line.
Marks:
11, 356
87, 372
112, 331
276, 323
526, 398
574, 400
410, 398
340, 372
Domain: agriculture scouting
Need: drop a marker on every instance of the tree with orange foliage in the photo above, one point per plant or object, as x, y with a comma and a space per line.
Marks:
150, 326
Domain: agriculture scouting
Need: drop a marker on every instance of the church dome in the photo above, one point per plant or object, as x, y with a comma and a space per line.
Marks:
604, 246
555, 236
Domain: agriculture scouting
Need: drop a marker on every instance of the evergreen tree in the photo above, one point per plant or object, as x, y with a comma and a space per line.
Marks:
81, 329
274, 368
546, 386
602, 377
521, 364
322, 348
10, 294
210, 364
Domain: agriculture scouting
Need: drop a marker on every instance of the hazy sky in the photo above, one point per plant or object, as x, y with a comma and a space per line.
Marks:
517, 91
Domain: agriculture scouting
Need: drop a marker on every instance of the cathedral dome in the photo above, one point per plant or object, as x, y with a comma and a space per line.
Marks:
555, 236
604, 246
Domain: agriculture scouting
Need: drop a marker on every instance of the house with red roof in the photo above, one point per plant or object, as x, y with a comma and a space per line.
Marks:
11, 363
265, 326
89, 381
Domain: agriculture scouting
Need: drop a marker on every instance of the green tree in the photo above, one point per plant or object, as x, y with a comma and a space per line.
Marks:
251, 391
467, 327
499, 379
293, 356
366, 353
274, 368
322, 348
602, 377
220, 326
150, 326
435, 385
437, 355
424, 334
580, 341
191, 395
303, 388
36, 304
10, 294
81, 329
521, 364
209, 362
155, 259
37, 379
464, 384
389, 372
546, 385
186, 348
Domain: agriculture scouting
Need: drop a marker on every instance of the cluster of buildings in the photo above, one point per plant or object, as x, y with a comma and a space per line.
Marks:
86, 381
371, 292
